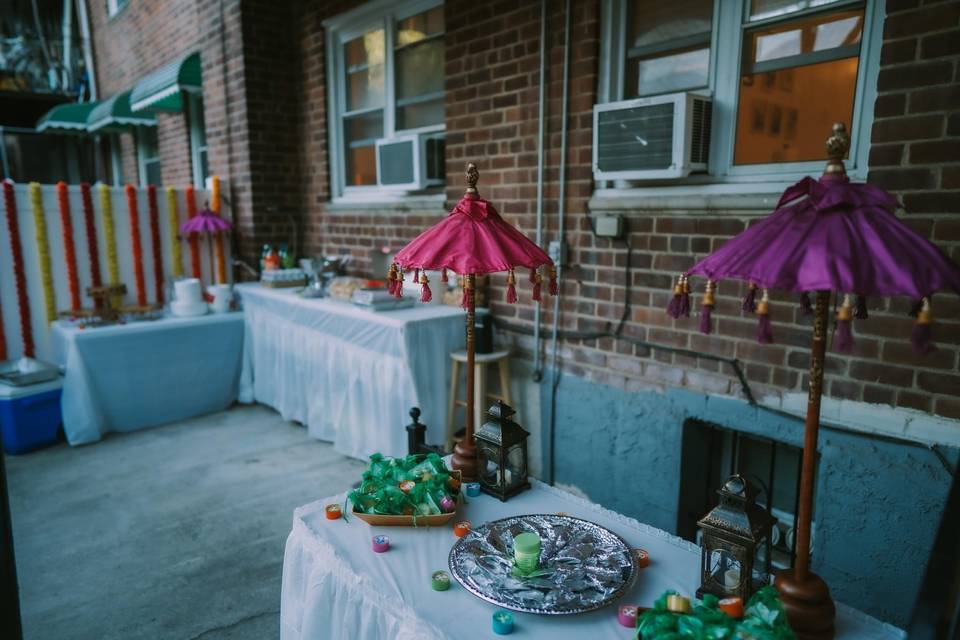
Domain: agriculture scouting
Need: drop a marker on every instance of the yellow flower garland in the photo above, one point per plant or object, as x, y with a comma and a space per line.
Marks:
109, 237
174, 220
43, 252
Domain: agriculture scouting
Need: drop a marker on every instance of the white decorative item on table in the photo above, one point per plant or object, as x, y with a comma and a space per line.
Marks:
188, 299
283, 278
222, 295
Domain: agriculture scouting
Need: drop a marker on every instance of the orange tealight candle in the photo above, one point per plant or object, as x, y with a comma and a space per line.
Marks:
407, 486
733, 607
333, 511
461, 529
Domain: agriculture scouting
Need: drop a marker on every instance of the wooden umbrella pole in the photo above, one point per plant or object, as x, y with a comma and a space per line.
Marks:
805, 596
465, 453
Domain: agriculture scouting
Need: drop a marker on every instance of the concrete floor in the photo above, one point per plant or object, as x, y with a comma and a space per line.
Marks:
175, 532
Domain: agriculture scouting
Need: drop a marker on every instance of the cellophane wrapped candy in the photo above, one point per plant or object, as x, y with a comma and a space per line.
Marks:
413, 485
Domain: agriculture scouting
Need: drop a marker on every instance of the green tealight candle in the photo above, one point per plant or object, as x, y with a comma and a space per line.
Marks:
526, 551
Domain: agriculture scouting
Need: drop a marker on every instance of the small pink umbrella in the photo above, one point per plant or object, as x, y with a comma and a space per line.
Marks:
207, 223
473, 239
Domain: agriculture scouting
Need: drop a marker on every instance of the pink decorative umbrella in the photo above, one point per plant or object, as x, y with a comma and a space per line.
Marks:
473, 239
824, 236
209, 224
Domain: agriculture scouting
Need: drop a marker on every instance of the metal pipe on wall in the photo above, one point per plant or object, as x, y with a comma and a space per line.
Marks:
555, 346
537, 365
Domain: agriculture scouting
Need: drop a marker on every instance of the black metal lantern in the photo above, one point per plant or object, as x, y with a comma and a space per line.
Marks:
735, 548
502, 453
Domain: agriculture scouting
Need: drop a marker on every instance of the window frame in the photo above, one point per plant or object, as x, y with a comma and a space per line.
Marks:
143, 159
340, 30
197, 126
730, 23
116, 6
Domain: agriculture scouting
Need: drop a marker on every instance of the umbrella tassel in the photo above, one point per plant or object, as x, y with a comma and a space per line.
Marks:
685, 299
844, 340
392, 279
806, 306
398, 286
536, 287
416, 276
554, 287
511, 288
750, 300
534, 275
921, 338
706, 309
425, 295
764, 330
917, 306
443, 275
861, 312
673, 308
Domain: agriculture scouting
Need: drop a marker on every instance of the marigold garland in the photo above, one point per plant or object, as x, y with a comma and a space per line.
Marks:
155, 241
43, 252
194, 241
69, 251
109, 237
16, 249
93, 250
135, 245
3, 337
215, 207
173, 217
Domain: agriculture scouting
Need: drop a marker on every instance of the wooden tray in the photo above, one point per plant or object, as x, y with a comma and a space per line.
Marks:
377, 520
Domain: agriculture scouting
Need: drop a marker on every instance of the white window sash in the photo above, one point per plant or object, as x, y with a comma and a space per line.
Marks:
197, 135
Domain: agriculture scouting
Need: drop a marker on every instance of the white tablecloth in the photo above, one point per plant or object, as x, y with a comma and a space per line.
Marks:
336, 588
350, 375
144, 374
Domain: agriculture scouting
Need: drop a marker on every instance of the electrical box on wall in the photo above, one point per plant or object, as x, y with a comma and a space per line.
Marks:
608, 226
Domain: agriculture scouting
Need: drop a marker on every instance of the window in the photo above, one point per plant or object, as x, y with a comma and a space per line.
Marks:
386, 70
148, 156
198, 140
114, 6
797, 67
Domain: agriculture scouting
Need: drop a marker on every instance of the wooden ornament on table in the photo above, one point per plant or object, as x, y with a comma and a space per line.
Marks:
106, 311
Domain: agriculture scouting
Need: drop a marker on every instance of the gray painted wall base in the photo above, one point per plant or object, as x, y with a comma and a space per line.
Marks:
878, 503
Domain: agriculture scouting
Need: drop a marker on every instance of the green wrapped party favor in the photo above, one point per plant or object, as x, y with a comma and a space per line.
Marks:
764, 619
414, 485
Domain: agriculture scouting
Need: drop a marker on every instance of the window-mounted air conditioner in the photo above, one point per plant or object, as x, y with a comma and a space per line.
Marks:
411, 161
654, 138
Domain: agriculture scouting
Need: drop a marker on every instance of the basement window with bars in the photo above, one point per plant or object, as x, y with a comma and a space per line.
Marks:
779, 73
385, 64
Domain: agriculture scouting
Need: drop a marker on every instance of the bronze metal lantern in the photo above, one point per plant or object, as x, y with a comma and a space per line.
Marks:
502, 453
735, 548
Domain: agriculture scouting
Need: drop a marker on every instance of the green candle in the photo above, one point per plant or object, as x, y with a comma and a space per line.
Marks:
526, 551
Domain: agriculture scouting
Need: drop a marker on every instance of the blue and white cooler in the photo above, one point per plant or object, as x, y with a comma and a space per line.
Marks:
30, 414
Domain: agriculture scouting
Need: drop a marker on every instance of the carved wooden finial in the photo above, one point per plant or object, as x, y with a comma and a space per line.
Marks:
472, 177
838, 144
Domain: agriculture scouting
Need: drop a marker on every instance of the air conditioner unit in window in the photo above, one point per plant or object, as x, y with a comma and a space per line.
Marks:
654, 138
411, 162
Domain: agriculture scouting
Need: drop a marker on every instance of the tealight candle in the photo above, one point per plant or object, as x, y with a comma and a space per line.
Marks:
627, 616
642, 557
447, 504
502, 622
333, 511
733, 607
678, 604
381, 544
440, 580
526, 551
731, 578
407, 486
461, 529
472, 489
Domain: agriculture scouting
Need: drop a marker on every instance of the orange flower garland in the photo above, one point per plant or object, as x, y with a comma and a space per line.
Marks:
3, 338
69, 251
93, 250
215, 207
16, 249
155, 242
194, 241
135, 242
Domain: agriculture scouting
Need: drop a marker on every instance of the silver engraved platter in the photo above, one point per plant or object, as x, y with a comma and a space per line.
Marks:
583, 566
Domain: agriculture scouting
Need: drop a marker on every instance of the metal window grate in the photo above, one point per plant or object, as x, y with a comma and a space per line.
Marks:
700, 138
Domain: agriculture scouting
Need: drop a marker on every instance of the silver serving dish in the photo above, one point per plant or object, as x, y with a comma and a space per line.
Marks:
583, 566
27, 371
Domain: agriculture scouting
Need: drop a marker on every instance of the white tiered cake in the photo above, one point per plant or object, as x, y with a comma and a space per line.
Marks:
188, 298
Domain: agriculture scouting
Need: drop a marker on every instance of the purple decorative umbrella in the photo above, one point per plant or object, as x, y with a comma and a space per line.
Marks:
207, 223
825, 236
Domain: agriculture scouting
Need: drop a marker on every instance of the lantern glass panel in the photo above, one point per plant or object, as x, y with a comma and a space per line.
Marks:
516, 472
725, 570
489, 458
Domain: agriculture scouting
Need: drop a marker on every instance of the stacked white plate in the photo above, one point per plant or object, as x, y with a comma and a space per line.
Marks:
188, 299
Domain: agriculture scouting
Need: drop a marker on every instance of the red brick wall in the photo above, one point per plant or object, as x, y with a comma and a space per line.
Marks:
491, 108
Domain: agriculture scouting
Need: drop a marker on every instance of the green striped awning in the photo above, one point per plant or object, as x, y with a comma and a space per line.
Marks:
114, 114
70, 117
162, 90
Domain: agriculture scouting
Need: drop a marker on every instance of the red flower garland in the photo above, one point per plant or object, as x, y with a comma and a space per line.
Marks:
3, 338
155, 238
13, 228
69, 252
92, 249
194, 240
135, 242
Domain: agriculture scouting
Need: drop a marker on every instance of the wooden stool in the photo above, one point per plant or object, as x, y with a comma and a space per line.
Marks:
482, 397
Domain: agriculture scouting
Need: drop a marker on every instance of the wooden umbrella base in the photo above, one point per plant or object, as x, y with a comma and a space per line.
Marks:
465, 460
810, 610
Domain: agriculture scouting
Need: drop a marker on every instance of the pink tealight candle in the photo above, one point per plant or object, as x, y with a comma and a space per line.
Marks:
627, 615
381, 544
